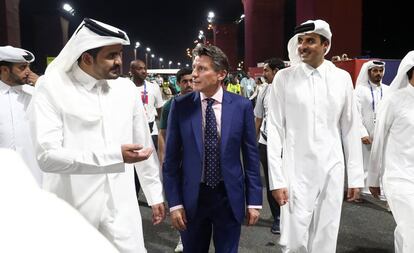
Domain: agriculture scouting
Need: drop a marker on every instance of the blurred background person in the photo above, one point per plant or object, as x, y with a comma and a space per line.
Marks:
15, 96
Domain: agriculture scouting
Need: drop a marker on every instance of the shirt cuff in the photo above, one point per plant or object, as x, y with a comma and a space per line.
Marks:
115, 154
254, 207
176, 208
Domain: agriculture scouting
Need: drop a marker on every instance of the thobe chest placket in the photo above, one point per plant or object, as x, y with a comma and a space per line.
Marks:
376, 97
105, 123
319, 101
103, 110
14, 122
12, 97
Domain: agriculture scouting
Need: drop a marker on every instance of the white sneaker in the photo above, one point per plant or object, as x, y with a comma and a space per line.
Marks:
179, 247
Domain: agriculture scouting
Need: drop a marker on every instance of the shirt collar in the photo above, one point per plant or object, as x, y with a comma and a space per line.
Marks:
4, 88
309, 69
218, 96
373, 85
84, 78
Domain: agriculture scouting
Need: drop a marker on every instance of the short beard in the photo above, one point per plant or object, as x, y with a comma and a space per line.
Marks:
15, 80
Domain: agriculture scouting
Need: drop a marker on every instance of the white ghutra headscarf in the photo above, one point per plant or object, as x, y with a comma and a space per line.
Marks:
363, 76
89, 34
318, 26
15, 55
401, 79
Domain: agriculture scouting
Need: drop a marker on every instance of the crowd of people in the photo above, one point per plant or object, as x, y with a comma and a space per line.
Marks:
94, 139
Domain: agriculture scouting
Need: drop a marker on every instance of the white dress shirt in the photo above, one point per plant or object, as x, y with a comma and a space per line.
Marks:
261, 111
14, 126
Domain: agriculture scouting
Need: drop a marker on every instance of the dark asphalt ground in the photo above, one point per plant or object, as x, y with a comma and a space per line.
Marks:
365, 228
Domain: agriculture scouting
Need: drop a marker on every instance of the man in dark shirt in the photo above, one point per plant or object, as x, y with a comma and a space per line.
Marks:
185, 81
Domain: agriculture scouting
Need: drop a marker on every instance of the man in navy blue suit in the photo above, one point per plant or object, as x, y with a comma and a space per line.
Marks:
206, 185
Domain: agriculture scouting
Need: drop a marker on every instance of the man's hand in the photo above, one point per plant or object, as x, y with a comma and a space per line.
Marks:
252, 216
366, 140
353, 194
178, 219
281, 196
132, 153
32, 78
158, 213
375, 191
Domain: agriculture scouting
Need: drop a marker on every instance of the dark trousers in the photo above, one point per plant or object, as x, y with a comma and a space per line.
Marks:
274, 206
213, 217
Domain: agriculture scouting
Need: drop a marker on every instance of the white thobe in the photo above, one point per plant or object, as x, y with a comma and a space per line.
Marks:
34, 220
392, 159
368, 103
314, 118
79, 125
14, 126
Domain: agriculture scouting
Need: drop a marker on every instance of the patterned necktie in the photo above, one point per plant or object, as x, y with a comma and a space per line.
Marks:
211, 147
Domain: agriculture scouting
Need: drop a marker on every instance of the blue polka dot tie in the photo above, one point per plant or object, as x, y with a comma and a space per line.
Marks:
211, 147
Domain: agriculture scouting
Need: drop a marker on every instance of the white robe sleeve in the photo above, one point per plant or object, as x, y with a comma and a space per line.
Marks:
276, 132
384, 121
359, 97
350, 123
148, 171
47, 131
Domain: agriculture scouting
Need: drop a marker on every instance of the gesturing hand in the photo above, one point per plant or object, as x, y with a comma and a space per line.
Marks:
132, 153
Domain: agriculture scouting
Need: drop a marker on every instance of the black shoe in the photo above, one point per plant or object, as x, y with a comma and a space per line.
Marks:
275, 229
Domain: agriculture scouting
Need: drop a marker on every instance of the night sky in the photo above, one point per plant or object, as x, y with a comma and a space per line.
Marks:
167, 27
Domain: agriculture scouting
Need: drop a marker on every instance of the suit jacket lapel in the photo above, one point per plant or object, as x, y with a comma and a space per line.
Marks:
196, 123
227, 111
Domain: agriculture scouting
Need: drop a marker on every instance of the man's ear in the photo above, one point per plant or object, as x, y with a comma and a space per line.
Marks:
4, 69
326, 45
222, 74
87, 59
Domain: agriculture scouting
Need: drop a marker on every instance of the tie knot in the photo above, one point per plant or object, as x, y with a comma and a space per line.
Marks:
210, 101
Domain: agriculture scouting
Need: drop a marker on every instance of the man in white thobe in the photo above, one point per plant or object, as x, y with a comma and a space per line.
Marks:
15, 96
369, 91
89, 131
313, 118
35, 220
392, 152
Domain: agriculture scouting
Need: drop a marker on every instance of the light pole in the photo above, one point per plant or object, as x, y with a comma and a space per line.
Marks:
211, 25
179, 64
137, 44
160, 62
169, 64
146, 56
152, 57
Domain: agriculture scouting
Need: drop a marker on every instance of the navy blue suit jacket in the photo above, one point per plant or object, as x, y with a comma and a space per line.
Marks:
183, 163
